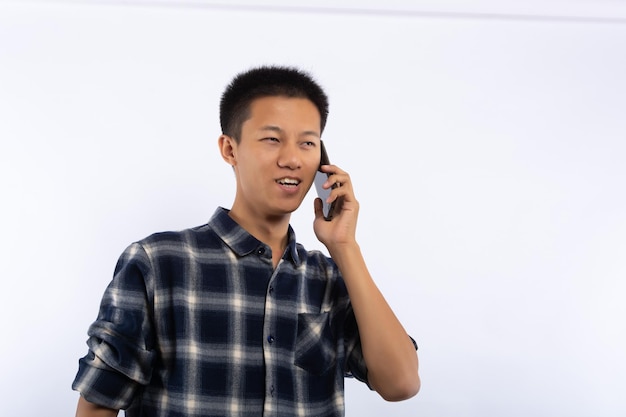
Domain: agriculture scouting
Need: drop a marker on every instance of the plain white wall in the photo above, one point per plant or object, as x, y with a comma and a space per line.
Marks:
487, 154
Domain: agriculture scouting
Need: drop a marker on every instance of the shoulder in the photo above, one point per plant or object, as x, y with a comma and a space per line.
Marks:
177, 243
170, 253
174, 236
318, 265
315, 257
192, 236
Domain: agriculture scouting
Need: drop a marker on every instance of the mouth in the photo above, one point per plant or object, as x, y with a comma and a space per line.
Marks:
288, 182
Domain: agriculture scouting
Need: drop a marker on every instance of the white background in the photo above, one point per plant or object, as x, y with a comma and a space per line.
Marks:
486, 142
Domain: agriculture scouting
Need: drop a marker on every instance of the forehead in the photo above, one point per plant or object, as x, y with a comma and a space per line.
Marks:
286, 110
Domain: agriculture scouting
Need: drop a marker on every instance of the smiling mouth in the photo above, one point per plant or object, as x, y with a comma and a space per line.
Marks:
288, 182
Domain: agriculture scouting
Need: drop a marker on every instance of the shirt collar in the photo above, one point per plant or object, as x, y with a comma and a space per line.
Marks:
242, 242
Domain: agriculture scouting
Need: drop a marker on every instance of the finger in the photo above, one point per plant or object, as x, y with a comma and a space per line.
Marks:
341, 185
332, 169
318, 207
338, 180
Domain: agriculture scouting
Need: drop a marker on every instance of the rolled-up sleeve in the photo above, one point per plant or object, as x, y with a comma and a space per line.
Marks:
121, 340
355, 362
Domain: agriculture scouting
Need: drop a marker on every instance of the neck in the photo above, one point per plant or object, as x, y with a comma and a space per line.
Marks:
271, 230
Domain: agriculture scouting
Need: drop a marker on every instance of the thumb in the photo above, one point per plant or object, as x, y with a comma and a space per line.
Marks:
317, 206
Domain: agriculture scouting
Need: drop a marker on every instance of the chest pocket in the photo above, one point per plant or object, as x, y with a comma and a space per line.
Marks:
315, 344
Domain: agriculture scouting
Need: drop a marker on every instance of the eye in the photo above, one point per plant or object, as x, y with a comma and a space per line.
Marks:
271, 139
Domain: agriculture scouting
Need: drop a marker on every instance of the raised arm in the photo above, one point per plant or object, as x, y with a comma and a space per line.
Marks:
389, 353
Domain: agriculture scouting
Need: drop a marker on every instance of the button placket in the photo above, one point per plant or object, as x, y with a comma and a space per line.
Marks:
269, 347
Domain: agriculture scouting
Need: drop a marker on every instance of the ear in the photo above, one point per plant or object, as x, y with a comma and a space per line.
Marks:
228, 148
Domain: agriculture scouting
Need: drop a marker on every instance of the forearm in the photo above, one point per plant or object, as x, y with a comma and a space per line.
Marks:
87, 409
388, 351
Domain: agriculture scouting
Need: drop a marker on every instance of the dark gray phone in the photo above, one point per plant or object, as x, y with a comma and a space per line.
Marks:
320, 179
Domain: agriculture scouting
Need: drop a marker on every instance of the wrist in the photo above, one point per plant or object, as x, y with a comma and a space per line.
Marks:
344, 251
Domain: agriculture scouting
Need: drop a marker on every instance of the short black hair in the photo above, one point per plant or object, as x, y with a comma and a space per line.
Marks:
267, 81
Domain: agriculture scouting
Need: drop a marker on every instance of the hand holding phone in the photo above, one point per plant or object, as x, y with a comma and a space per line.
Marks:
320, 179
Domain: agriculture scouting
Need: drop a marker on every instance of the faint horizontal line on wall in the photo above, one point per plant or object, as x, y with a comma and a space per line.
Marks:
354, 11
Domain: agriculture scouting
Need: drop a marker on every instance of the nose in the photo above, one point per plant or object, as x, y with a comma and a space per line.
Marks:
289, 156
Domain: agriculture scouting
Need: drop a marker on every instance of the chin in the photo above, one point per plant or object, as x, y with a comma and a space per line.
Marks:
290, 210
287, 209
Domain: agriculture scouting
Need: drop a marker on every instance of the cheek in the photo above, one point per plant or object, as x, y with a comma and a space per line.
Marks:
253, 169
250, 162
310, 176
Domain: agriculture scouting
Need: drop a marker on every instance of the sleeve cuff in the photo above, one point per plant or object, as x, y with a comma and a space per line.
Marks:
102, 385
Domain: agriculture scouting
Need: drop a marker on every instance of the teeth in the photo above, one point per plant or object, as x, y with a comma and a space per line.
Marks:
288, 181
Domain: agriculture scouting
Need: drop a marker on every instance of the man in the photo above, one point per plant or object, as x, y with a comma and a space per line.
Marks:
234, 318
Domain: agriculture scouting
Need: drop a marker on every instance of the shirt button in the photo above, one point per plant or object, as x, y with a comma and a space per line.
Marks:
260, 251
270, 339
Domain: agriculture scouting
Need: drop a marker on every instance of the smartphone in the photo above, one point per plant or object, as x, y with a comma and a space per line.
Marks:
320, 179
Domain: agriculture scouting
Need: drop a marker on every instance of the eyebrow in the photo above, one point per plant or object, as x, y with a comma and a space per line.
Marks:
277, 129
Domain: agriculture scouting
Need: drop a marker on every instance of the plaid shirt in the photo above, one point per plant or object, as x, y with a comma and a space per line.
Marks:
199, 323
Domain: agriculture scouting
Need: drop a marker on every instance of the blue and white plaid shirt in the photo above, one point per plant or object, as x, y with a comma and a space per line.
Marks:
199, 323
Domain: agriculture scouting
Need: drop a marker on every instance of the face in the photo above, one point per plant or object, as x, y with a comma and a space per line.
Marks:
277, 155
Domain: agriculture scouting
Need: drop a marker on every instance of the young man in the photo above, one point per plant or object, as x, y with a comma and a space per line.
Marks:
234, 318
